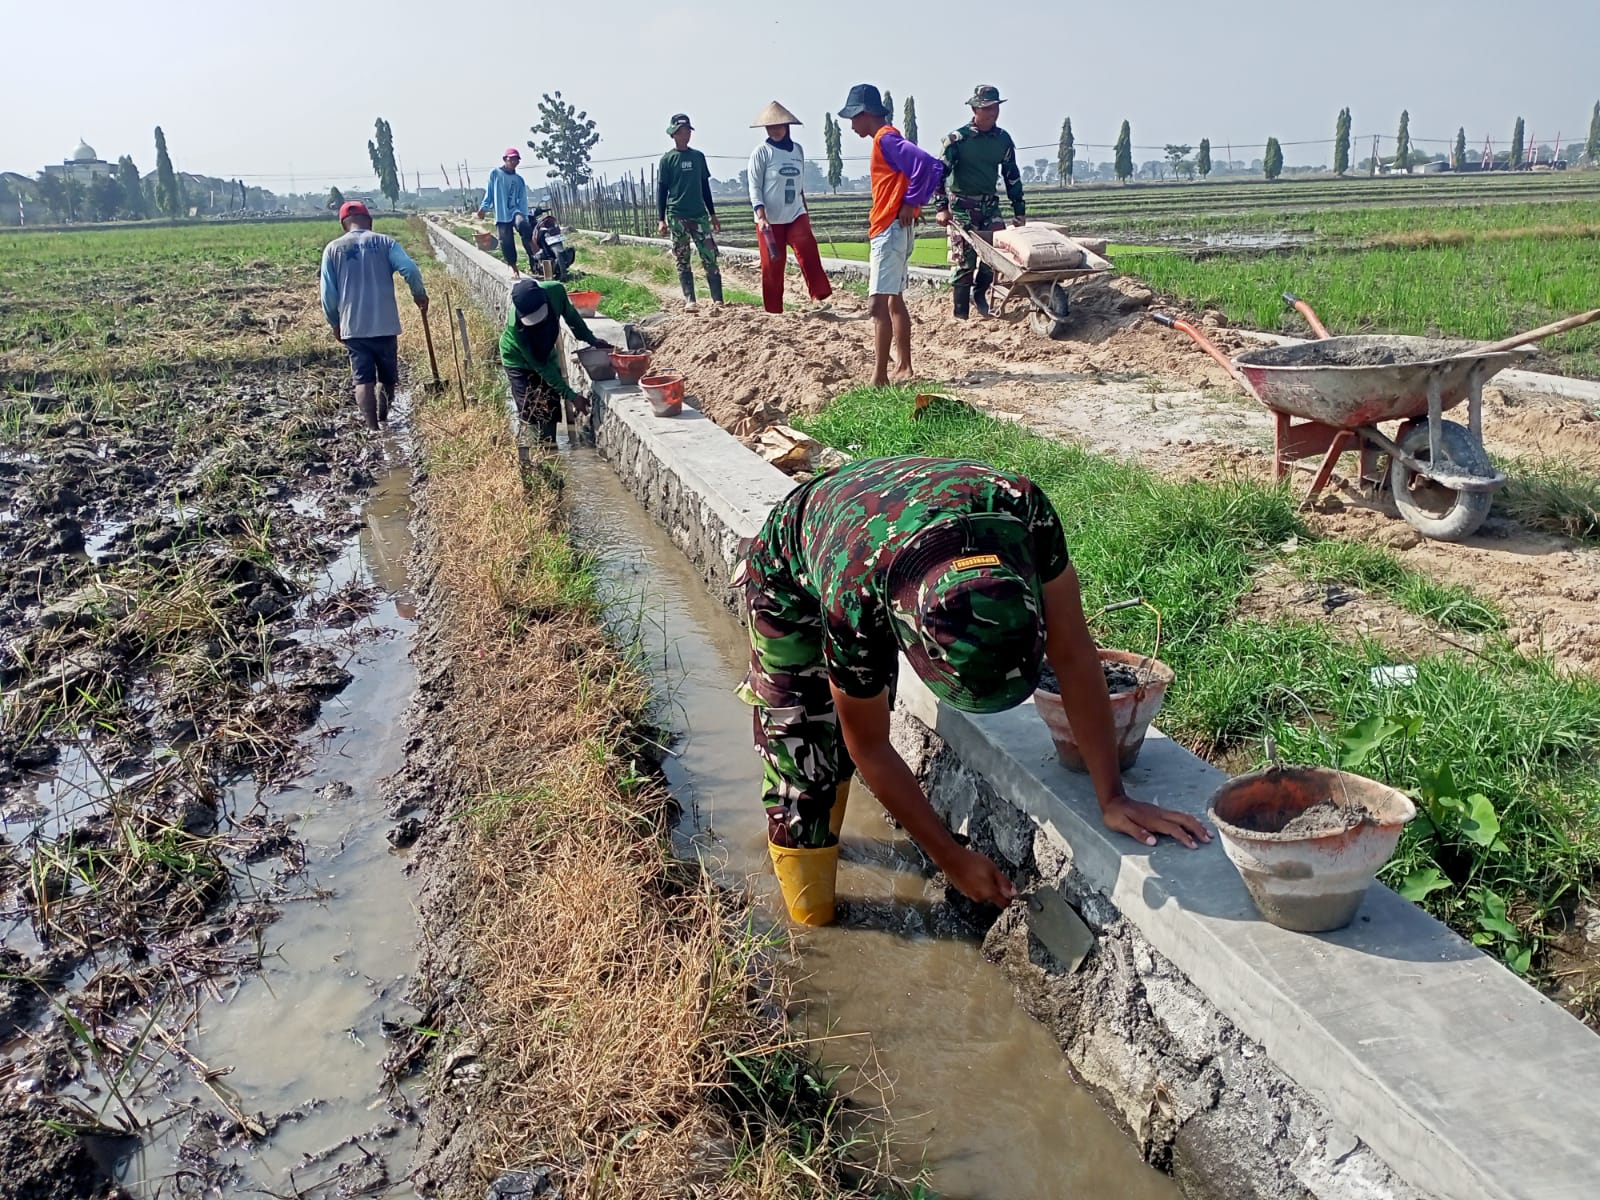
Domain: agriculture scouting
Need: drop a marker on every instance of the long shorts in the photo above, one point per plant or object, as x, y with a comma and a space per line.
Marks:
374, 359
888, 260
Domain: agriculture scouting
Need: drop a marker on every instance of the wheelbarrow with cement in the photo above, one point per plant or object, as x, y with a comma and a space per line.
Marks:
1043, 291
1330, 395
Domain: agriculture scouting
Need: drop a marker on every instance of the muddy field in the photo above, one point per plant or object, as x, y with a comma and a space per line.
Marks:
1123, 385
179, 469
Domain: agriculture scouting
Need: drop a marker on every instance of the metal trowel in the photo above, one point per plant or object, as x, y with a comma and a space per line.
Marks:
1059, 928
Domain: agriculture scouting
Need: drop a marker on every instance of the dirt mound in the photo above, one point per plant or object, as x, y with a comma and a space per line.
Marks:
1541, 427
748, 368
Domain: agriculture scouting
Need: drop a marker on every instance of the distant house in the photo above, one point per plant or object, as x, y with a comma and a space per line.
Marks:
85, 165
1434, 167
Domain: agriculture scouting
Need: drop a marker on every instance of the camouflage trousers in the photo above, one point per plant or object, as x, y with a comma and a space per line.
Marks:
685, 230
969, 212
797, 736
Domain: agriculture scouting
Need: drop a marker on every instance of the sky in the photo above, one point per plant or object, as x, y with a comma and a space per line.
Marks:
284, 95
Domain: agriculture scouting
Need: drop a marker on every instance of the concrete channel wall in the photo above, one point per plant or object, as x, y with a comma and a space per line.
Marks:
1388, 1060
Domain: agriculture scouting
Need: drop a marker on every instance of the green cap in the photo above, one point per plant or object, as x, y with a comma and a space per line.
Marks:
984, 93
968, 612
678, 121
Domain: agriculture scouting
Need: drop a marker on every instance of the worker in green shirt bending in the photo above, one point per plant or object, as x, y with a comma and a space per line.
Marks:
684, 207
973, 156
528, 351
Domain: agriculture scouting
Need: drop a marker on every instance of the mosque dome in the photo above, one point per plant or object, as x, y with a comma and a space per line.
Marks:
84, 153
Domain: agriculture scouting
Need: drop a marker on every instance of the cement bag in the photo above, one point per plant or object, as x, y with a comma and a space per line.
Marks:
1089, 245
1035, 248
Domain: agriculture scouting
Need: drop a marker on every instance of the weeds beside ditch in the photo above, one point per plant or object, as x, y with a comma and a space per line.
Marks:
621, 1007
1495, 741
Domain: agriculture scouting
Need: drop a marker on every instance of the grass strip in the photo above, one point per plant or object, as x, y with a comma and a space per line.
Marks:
1482, 289
1375, 569
620, 299
621, 1005
1554, 496
1501, 726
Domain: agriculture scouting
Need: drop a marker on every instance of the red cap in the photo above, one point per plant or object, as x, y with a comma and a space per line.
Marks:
355, 207
512, 152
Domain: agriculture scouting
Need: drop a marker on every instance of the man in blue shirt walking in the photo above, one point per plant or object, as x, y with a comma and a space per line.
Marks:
506, 195
358, 273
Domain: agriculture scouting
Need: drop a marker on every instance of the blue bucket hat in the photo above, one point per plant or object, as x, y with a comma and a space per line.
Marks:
864, 98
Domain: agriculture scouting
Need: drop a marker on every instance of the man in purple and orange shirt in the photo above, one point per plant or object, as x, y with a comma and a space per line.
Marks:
904, 178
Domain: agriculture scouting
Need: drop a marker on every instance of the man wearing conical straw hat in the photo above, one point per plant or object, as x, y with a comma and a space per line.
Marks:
777, 193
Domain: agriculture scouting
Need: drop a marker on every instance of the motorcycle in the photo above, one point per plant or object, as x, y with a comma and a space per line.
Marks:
550, 244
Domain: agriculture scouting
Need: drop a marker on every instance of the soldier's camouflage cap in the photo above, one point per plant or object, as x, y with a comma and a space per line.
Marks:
968, 611
983, 95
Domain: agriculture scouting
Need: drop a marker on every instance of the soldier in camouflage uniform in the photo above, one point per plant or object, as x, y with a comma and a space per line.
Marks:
973, 156
964, 569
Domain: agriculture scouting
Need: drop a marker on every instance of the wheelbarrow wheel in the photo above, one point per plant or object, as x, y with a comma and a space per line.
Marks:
1049, 319
1433, 510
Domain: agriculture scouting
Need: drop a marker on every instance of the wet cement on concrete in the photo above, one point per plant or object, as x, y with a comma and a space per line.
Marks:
980, 1094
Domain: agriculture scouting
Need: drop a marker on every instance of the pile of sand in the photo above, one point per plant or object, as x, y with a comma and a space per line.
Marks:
748, 368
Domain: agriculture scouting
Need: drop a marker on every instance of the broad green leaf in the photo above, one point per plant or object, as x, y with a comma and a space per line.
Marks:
1492, 917
1420, 884
1480, 824
1519, 961
1363, 738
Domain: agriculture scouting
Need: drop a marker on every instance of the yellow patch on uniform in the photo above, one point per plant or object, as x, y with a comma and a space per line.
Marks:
976, 560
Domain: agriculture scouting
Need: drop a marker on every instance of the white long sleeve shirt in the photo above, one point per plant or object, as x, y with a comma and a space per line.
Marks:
776, 181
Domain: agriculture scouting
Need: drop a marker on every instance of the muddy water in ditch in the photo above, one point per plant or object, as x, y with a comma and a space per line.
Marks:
980, 1094
301, 1038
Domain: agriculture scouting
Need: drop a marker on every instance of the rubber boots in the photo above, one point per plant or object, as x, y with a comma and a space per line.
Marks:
980, 290
546, 431
841, 800
686, 282
808, 879
714, 285
963, 301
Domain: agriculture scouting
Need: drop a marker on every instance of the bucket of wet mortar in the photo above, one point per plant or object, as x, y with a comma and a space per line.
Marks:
1308, 840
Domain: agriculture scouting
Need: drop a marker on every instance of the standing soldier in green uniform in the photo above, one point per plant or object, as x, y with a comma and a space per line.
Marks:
964, 569
973, 156
684, 205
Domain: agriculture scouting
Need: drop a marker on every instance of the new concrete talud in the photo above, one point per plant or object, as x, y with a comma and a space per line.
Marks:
1388, 1059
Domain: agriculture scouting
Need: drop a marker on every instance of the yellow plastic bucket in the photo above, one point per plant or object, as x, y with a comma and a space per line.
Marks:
808, 879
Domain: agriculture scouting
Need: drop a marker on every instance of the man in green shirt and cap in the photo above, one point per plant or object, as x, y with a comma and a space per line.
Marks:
973, 156
684, 206
529, 348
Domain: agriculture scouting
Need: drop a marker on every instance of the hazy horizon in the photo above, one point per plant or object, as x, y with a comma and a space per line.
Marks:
285, 98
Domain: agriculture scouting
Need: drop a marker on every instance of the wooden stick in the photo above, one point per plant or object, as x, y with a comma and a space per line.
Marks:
1544, 331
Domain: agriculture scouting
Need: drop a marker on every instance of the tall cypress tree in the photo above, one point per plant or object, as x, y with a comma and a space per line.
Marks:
1272, 159
888, 102
169, 196
381, 152
1591, 151
1402, 142
1066, 153
1341, 142
830, 136
1460, 158
1202, 162
1518, 133
1124, 153
132, 188
909, 130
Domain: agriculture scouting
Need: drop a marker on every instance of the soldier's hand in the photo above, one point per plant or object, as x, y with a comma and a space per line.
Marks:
661, 230
716, 223
943, 216
1019, 220
979, 880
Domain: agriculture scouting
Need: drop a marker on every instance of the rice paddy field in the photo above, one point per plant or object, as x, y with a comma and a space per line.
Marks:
1477, 257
